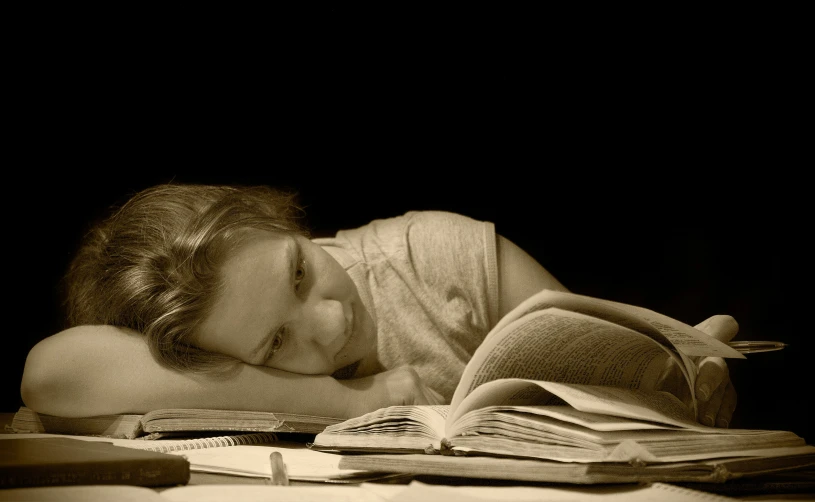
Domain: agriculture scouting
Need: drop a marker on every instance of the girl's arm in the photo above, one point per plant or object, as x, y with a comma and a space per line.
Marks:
520, 276
101, 370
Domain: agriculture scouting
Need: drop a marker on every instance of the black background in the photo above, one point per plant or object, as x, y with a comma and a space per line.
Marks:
661, 166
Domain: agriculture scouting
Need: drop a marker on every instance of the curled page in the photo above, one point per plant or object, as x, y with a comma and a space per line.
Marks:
563, 346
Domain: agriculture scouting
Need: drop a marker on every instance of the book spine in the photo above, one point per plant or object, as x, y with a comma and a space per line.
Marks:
26, 420
138, 473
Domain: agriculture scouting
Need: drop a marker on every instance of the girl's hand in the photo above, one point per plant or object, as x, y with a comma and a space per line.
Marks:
715, 394
399, 386
714, 390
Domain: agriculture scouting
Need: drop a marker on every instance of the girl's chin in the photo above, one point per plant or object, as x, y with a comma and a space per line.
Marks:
369, 365
363, 366
346, 371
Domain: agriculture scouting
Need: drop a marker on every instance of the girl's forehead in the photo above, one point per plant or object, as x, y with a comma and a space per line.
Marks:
252, 238
253, 296
267, 247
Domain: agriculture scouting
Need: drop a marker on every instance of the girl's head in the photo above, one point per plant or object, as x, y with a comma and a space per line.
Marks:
286, 303
155, 264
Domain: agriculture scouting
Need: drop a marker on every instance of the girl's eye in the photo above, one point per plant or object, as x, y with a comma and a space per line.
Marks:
300, 274
277, 342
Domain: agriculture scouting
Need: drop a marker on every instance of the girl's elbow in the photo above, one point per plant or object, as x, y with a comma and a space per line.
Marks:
34, 387
43, 388
31, 393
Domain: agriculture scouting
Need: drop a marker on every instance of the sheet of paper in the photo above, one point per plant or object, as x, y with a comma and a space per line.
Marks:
302, 463
261, 493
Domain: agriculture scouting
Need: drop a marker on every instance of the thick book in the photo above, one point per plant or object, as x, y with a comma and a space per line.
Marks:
169, 422
730, 472
65, 461
568, 378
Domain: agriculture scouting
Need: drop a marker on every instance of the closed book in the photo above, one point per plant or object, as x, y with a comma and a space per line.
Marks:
63, 461
169, 422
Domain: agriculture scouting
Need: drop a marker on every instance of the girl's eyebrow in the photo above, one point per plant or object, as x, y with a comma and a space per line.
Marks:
291, 257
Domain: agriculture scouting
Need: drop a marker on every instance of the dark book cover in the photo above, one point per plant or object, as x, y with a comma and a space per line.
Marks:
64, 461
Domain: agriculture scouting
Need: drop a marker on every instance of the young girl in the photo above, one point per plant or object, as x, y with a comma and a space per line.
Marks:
195, 296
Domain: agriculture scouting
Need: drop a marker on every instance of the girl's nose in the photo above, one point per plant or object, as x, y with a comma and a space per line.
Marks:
327, 322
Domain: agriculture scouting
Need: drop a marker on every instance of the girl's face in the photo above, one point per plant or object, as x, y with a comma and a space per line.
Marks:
287, 304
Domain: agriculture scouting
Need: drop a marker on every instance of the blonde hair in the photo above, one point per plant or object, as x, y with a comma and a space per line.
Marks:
153, 265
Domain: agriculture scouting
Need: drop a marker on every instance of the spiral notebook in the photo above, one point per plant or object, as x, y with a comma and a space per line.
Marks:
172, 445
166, 445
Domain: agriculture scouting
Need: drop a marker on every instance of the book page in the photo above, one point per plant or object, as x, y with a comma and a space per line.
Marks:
581, 304
427, 419
562, 346
687, 339
392, 428
659, 407
530, 396
664, 333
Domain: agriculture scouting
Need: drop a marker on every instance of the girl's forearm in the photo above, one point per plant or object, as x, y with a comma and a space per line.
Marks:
101, 370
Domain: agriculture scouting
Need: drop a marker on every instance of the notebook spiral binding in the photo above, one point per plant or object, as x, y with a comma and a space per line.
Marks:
169, 445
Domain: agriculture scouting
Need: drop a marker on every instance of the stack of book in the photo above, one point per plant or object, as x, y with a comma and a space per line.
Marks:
153, 449
560, 390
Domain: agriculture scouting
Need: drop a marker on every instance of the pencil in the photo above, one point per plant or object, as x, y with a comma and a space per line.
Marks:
279, 475
754, 346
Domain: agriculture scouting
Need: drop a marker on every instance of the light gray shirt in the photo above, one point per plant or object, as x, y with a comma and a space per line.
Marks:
430, 281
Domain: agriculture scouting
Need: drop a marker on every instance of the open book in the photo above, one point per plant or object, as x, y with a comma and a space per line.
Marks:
569, 378
170, 422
